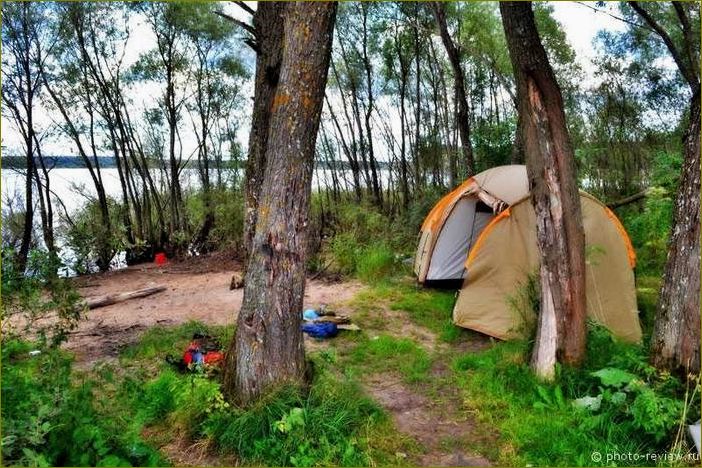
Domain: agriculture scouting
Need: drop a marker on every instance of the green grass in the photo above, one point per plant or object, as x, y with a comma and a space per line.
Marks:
376, 262
431, 309
158, 342
142, 403
104, 414
52, 417
539, 424
333, 424
647, 290
428, 308
387, 354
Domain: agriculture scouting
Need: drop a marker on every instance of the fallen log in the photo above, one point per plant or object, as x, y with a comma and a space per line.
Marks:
630, 199
110, 299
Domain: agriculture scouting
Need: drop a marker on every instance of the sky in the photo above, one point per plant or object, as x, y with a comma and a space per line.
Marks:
580, 24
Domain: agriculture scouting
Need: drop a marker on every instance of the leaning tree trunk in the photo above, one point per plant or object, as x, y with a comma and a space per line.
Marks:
561, 331
462, 116
268, 24
675, 344
267, 349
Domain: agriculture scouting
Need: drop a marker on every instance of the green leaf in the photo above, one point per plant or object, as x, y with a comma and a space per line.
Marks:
588, 402
613, 377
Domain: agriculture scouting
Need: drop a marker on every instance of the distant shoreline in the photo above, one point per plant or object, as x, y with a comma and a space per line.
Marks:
109, 162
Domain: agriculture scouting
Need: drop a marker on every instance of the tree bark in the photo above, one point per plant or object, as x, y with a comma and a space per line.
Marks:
268, 24
675, 343
463, 115
368, 67
402, 76
268, 349
561, 331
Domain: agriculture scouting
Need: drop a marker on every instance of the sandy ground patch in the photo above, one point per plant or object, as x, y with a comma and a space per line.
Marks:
195, 291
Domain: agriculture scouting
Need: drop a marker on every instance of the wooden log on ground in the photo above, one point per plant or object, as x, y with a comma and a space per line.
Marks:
110, 299
628, 200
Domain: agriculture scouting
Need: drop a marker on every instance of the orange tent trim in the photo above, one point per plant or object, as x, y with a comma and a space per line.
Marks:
437, 213
505, 214
630, 252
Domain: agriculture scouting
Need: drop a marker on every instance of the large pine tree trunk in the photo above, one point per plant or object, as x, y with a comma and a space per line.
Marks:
561, 332
268, 24
267, 349
675, 344
463, 115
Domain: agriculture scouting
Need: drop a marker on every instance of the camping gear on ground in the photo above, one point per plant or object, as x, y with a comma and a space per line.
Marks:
320, 330
160, 258
337, 319
318, 323
483, 234
310, 314
204, 351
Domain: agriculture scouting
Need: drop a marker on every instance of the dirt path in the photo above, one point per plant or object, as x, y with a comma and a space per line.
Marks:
195, 291
436, 425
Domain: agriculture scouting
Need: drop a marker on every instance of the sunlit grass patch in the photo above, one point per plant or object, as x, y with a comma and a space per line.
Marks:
428, 308
387, 354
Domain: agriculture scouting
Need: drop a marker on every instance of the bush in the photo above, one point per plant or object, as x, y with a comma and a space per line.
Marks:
375, 263
93, 244
649, 227
37, 304
367, 244
49, 421
327, 426
525, 303
229, 216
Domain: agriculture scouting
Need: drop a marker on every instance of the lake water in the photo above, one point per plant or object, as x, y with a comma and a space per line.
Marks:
75, 188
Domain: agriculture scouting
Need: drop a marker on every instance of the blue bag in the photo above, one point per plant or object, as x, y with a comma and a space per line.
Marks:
320, 330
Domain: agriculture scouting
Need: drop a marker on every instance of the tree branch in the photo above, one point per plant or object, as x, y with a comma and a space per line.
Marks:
251, 42
688, 38
245, 7
682, 66
627, 200
619, 18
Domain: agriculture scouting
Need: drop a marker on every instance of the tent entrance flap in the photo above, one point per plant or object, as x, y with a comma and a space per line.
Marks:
458, 234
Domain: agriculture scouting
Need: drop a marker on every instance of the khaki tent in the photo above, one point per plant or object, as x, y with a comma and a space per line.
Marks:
483, 234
